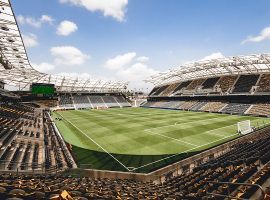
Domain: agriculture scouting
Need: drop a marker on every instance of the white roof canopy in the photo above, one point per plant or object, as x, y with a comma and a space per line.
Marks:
212, 68
16, 70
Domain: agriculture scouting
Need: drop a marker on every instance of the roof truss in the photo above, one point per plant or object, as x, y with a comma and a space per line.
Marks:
16, 70
259, 63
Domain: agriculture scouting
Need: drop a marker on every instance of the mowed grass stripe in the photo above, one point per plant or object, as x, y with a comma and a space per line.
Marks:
122, 130
101, 132
149, 123
139, 141
185, 136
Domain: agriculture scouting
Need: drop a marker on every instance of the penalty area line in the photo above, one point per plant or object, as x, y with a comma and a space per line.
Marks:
97, 144
152, 133
218, 118
187, 151
218, 134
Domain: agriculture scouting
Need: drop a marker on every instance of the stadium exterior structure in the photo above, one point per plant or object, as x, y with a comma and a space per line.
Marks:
235, 65
16, 70
234, 85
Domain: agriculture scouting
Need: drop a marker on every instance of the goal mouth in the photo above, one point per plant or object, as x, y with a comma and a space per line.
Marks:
244, 127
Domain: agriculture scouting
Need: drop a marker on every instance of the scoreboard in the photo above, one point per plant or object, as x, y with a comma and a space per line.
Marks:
41, 89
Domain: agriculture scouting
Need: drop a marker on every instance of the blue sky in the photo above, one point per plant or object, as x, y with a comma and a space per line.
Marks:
132, 39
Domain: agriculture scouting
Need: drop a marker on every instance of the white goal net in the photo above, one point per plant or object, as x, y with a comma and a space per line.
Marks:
244, 127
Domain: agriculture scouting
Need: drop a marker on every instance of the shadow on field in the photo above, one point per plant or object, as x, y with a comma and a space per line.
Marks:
100, 160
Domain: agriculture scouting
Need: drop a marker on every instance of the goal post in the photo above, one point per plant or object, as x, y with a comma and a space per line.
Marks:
244, 127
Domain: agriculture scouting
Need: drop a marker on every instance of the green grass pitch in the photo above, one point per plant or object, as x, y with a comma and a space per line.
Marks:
143, 139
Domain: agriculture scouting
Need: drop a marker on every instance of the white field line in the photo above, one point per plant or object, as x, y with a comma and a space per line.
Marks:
121, 114
96, 144
183, 152
125, 114
128, 168
131, 115
155, 113
176, 124
209, 132
196, 116
139, 115
152, 133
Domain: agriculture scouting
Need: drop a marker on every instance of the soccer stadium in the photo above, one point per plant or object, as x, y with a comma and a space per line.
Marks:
202, 131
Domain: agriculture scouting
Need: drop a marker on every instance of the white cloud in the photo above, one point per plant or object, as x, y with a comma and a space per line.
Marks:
30, 40
120, 61
212, 56
43, 67
136, 72
46, 18
215, 55
264, 35
127, 67
35, 22
68, 55
143, 59
113, 8
66, 27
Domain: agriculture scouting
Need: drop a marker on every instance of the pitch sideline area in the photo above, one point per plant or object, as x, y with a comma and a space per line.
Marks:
156, 134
